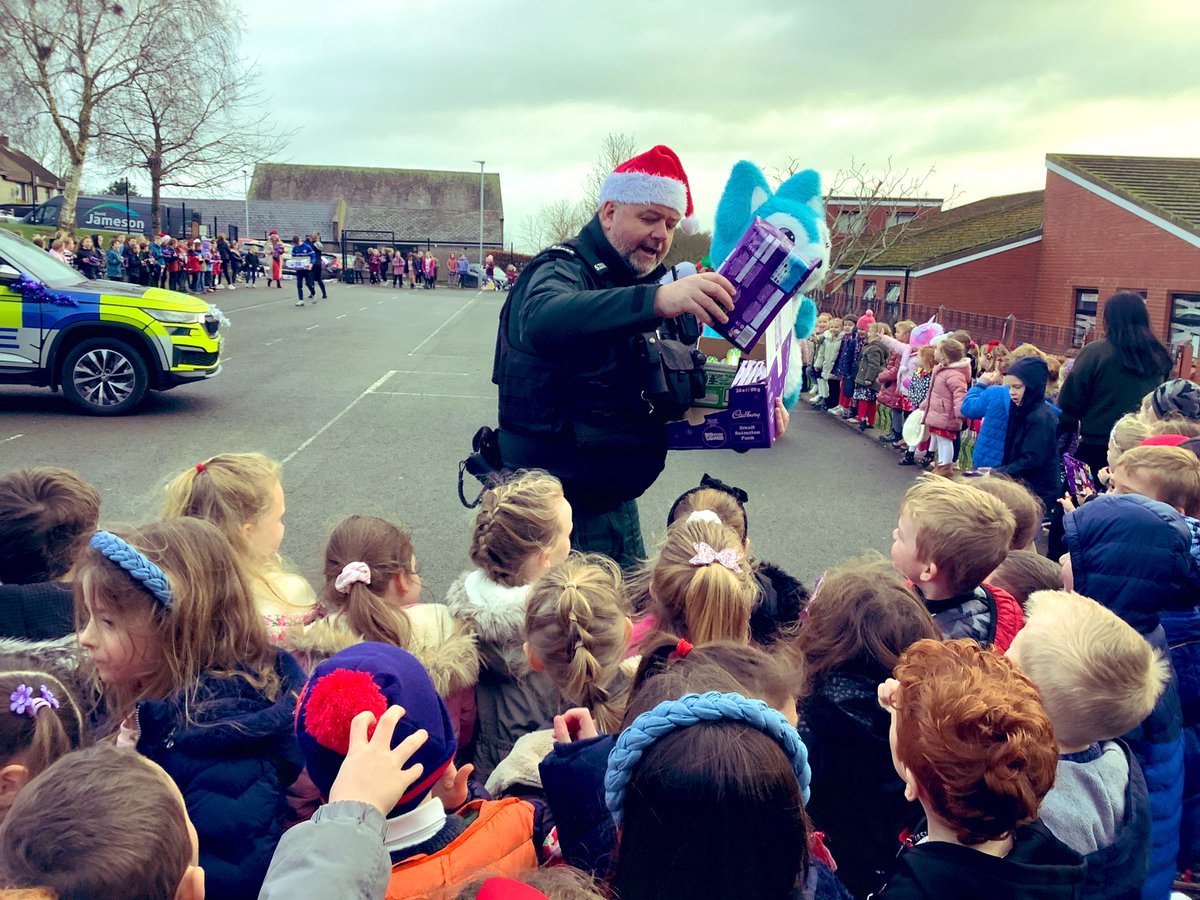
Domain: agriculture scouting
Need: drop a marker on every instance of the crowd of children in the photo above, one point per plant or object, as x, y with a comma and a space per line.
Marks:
965, 719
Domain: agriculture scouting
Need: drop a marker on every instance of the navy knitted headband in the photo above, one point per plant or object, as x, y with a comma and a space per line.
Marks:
692, 709
136, 563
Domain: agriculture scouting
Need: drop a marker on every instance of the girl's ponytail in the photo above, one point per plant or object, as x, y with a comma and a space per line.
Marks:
702, 584
364, 554
576, 626
370, 617
43, 721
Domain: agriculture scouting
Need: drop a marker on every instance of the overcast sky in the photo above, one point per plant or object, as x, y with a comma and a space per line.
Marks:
981, 90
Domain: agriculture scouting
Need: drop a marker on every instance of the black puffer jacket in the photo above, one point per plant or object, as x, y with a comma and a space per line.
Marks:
781, 601
569, 376
233, 754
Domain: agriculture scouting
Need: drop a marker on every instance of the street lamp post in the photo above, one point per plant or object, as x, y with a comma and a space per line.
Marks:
246, 199
480, 161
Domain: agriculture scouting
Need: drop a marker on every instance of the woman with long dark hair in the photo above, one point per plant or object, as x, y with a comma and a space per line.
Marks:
1111, 375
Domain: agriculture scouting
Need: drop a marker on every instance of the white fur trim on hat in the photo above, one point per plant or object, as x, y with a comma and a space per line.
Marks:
640, 187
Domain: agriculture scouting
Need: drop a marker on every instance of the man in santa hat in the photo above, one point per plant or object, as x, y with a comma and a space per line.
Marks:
567, 361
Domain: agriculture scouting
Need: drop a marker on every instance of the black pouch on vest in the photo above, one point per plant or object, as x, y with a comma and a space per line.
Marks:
673, 375
484, 463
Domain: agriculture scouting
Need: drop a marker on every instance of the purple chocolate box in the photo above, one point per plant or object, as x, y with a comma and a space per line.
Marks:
749, 420
766, 272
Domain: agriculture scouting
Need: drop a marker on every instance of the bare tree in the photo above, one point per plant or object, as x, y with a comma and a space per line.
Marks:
561, 219
616, 149
75, 57
203, 143
869, 196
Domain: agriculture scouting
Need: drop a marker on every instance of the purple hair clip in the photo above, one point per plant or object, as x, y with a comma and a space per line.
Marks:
23, 702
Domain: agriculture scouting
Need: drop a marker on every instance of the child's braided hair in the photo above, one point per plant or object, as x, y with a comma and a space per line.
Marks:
516, 519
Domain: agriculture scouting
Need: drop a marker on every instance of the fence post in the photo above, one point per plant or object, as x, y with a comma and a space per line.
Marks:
1010, 321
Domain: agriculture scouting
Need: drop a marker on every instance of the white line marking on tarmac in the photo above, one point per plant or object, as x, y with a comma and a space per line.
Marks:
13, 438
269, 343
361, 308
438, 330
342, 316
256, 305
428, 372
416, 394
311, 327
345, 409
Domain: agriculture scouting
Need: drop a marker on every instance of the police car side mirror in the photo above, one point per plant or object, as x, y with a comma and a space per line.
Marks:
8, 273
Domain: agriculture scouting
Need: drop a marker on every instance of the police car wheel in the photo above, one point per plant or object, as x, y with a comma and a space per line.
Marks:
104, 377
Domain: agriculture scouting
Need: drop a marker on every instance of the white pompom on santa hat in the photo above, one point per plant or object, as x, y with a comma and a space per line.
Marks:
655, 176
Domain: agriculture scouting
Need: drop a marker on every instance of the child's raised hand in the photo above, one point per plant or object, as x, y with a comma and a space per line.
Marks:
574, 725
455, 793
1066, 503
888, 693
372, 771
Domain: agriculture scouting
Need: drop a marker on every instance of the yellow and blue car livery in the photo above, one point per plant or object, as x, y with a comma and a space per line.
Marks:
103, 343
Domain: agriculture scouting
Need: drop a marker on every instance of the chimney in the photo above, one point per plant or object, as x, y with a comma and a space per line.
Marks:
3, 141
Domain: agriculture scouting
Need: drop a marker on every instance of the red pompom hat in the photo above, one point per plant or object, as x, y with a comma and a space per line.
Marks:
655, 176
372, 676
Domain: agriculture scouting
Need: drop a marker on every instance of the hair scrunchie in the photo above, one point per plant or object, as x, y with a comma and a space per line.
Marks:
136, 563
352, 573
692, 709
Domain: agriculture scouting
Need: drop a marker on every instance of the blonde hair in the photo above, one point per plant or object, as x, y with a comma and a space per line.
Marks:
905, 325
211, 628
721, 503
1128, 432
1097, 676
1177, 424
1023, 351
1026, 507
1173, 473
387, 551
703, 601
837, 320
881, 328
516, 519
575, 623
964, 531
229, 490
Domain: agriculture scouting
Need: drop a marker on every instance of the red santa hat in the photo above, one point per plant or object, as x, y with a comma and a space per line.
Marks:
655, 176
273, 234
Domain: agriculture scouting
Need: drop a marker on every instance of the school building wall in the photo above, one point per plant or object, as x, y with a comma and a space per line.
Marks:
999, 284
1091, 242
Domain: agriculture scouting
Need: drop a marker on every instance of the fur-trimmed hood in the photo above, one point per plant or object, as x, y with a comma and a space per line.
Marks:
493, 611
444, 647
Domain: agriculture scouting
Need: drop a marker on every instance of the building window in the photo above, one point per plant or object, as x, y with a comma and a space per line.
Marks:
899, 218
849, 222
1185, 319
868, 296
1085, 314
891, 301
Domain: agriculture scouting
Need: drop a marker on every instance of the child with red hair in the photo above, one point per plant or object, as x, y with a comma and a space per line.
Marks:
973, 744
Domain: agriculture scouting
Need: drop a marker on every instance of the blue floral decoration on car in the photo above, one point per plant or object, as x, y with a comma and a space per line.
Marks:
34, 291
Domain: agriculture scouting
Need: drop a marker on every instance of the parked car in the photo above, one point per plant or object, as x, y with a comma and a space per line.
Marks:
332, 264
103, 343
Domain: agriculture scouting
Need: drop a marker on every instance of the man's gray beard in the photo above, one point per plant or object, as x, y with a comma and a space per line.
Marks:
628, 257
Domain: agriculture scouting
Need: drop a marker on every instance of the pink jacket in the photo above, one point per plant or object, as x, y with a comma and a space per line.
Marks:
947, 388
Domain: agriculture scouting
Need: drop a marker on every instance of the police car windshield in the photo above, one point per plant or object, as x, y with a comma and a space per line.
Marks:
26, 258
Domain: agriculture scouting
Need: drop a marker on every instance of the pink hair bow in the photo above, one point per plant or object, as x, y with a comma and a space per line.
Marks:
706, 554
355, 571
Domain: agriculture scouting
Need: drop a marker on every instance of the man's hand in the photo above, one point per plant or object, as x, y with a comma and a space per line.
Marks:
706, 295
372, 771
782, 417
574, 725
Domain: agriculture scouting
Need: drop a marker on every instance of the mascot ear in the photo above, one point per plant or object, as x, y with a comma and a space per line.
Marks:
745, 191
803, 187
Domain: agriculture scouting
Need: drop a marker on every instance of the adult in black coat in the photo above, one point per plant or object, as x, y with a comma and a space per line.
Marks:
1030, 442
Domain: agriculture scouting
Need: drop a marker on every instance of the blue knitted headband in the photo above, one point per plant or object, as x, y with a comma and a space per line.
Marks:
692, 709
133, 561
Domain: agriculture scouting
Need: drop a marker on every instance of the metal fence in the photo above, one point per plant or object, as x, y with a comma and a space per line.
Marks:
1008, 329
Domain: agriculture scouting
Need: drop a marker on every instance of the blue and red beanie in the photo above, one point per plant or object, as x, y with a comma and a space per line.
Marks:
372, 676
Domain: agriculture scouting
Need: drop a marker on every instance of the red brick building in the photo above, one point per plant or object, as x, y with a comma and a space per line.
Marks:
1102, 224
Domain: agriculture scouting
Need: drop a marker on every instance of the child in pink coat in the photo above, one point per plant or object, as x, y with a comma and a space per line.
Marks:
943, 403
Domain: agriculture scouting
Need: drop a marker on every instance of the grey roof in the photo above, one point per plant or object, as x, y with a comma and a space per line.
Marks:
288, 217
440, 226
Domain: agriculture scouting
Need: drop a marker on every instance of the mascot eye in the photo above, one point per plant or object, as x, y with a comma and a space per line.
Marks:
787, 233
